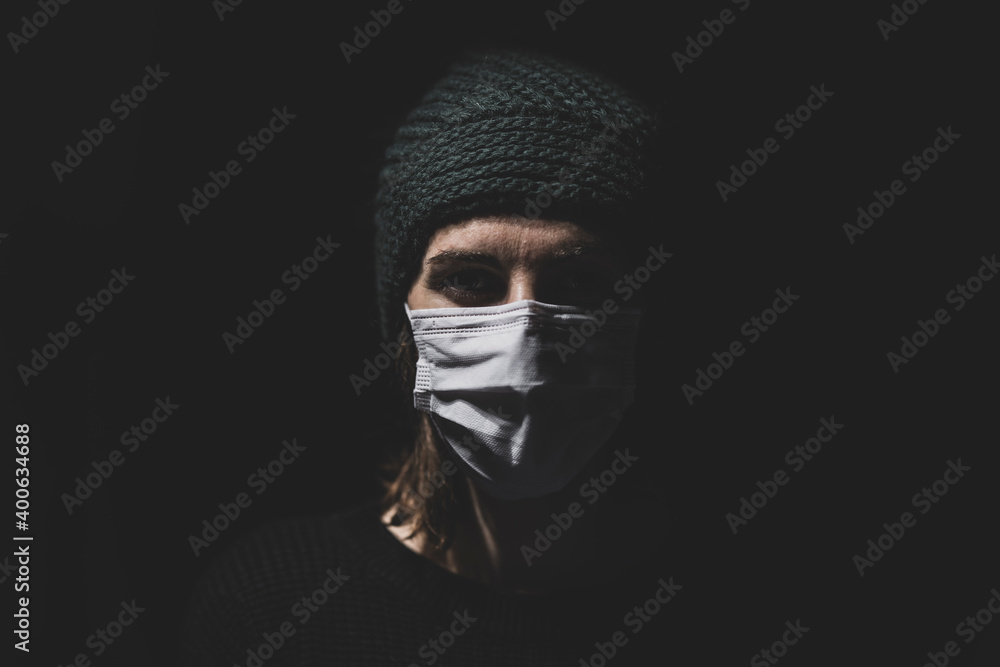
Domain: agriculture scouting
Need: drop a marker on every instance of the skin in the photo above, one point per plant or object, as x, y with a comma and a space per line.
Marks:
553, 262
493, 261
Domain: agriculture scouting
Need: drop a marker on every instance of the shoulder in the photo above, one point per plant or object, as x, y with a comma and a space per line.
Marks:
292, 546
273, 577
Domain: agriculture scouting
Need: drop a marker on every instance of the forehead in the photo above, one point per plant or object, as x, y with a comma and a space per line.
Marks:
515, 239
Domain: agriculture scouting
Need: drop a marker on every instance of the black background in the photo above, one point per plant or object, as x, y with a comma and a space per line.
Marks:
162, 336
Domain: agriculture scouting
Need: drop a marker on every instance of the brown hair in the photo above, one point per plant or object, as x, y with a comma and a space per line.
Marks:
412, 468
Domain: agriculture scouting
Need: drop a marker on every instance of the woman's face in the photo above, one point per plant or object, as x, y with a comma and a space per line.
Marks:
497, 260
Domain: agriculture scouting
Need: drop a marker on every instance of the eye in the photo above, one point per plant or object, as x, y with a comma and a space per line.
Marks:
470, 286
580, 285
466, 280
582, 281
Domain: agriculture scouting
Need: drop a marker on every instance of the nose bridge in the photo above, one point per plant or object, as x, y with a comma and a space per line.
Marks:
523, 285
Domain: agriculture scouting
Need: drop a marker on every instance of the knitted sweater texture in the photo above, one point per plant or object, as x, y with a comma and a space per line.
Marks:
341, 590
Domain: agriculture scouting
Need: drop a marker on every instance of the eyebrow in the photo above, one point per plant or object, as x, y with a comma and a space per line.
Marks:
449, 256
486, 259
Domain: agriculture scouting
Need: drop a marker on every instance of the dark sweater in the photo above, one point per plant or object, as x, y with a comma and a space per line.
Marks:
371, 601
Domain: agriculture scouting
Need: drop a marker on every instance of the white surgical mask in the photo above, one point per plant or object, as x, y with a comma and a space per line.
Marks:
525, 393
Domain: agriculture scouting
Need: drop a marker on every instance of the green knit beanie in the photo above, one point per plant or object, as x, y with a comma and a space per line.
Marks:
507, 132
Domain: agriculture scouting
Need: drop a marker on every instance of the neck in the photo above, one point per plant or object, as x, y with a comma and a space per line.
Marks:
508, 544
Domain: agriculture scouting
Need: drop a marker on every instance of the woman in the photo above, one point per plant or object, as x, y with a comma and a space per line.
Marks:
508, 263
